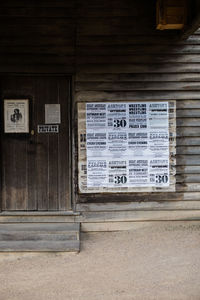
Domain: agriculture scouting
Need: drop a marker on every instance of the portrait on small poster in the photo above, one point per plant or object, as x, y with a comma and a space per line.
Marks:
16, 115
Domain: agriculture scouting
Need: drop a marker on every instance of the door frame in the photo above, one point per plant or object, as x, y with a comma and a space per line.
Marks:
71, 79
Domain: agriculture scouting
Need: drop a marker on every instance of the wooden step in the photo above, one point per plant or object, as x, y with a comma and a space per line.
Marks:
40, 237
47, 227
39, 246
38, 217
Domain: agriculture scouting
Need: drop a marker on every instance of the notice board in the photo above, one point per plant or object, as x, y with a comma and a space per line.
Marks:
126, 146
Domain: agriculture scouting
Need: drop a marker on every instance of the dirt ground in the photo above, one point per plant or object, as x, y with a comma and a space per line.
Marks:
153, 261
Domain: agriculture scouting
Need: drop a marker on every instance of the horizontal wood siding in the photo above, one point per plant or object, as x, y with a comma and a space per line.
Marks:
115, 52
37, 36
121, 56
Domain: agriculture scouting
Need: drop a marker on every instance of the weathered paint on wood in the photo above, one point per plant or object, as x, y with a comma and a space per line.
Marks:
35, 168
144, 67
119, 226
128, 206
115, 54
40, 237
121, 216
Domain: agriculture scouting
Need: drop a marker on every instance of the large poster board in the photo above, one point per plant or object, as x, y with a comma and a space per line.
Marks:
126, 146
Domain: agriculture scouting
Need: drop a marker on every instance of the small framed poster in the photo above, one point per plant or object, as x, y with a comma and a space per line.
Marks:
16, 115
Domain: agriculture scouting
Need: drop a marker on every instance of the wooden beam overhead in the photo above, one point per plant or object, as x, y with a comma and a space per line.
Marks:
192, 28
193, 25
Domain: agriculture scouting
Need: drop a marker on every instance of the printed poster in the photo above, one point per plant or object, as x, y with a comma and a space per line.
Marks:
16, 116
127, 144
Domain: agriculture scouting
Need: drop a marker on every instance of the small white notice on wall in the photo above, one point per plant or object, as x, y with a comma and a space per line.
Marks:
52, 114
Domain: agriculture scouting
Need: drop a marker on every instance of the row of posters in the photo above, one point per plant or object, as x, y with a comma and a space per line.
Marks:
127, 144
16, 116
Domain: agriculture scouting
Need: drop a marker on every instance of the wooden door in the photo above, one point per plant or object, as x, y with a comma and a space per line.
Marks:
35, 171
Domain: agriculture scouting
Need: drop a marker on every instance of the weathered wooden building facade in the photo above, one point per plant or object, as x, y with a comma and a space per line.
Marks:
76, 52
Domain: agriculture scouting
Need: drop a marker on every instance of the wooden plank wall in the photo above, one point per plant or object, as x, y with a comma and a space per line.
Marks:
121, 56
116, 53
37, 36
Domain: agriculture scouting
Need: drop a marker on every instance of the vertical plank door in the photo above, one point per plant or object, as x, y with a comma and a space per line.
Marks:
35, 172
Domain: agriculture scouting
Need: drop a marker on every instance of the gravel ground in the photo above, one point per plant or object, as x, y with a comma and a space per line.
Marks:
154, 261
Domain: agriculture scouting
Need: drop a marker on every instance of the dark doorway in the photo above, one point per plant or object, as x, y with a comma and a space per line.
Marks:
35, 167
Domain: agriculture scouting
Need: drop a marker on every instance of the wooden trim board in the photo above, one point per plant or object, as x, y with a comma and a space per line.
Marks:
123, 226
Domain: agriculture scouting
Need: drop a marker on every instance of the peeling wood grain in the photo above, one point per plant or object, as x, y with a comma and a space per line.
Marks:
84, 96
139, 216
145, 77
129, 206
137, 86
132, 225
